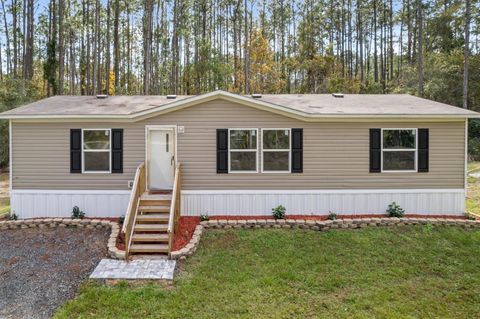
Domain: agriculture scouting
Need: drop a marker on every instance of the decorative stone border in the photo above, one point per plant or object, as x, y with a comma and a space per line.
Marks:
315, 225
113, 251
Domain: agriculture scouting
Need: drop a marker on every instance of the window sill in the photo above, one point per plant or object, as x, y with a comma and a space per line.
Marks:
411, 171
96, 172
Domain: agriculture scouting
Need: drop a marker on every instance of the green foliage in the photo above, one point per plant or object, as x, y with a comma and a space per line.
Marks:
470, 216
13, 216
474, 139
332, 216
50, 65
394, 210
279, 212
77, 213
204, 217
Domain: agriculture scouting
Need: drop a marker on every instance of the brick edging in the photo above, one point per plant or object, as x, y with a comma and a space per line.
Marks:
315, 225
113, 251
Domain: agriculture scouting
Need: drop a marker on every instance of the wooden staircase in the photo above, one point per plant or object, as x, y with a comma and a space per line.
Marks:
150, 232
151, 219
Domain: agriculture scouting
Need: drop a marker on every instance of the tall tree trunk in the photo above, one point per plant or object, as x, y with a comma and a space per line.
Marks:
466, 54
420, 47
391, 40
245, 52
147, 44
116, 45
7, 38
61, 49
15, 37
107, 53
375, 58
28, 56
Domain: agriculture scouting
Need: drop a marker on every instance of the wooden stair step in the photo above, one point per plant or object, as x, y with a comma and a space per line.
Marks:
154, 199
149, 248
154, 209
153, 218
150, 237
148, 196
151, 227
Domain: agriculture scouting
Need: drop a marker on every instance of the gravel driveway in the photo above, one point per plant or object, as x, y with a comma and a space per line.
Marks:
40, 269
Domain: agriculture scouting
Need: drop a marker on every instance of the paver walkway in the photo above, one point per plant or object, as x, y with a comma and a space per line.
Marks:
135, 269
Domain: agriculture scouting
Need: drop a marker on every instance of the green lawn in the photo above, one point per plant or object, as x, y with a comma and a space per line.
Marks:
403, 272
473, 191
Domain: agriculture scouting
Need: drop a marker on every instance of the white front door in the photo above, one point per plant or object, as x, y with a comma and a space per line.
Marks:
161, 158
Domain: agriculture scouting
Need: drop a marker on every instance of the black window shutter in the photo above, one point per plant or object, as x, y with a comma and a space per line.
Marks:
75, 151
375, 150
423, 141
297, 150
117, 150
222, 151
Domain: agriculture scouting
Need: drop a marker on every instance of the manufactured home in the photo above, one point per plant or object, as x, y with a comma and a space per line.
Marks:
238, 154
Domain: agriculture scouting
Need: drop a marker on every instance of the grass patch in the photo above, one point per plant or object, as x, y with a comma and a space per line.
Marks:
407, 272
473, 166
4, 206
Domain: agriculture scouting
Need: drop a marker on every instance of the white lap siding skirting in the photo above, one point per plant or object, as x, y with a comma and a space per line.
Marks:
321, 202
59, 203
97, 203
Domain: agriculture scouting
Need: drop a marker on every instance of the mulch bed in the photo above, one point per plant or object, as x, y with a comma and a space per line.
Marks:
185, 233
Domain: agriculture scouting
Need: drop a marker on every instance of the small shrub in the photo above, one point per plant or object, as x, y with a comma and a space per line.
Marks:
121, 220
394, 210
279, 212
204, 217
77, 213
470, 216
13, 216
332, 216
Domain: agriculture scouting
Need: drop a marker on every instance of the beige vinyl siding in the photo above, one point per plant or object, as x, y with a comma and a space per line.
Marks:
336, 155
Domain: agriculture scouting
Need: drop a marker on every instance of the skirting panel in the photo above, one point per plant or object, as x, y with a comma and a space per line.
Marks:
311, 202
59, 203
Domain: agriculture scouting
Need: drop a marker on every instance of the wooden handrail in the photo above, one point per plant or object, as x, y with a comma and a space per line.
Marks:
138, 189
174, 208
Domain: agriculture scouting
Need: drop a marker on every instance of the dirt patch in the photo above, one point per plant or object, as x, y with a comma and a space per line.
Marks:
40, 269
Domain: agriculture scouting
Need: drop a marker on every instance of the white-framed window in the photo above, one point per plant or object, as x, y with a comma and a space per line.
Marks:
243, 150
276, 150
96, 150
399, 149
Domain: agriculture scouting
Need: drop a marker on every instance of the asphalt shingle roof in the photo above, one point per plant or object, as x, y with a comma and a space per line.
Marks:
308, 104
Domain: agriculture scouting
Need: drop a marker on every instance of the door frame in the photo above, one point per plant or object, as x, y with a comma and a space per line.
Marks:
148, 128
